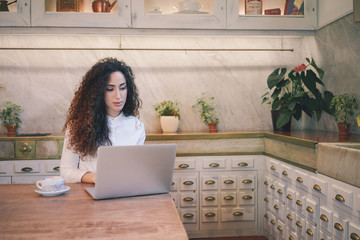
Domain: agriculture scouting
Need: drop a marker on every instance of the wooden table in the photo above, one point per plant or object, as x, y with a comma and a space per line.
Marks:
75, 215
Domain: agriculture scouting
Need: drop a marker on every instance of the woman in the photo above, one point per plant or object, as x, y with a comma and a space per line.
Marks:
103, 112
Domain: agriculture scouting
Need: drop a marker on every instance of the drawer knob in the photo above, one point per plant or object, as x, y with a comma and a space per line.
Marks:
324, 218
338, 226
298, 224
238, 214
289, 197
266, 216
247, 181
247, 197
210, 182
188, 183
309, 209
285, 173
188, 215
210, 198
291, 238
266, 182
280, 228
214, 165
184, 165
229, 181
299, 203
272, 221
273, 167
210, 214
243, 164
188, 199
25, 149
280, 191
289, 217
299, 179
354, 236
229, 198
339, 198
276, 207
317, 188
272, 186
309, 232
26, 169
56, 168
266, 199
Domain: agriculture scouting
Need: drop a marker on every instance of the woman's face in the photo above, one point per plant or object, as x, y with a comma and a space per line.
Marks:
115, 94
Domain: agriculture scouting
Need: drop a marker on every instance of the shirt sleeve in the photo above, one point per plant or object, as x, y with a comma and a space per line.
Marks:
142, 137
69, 165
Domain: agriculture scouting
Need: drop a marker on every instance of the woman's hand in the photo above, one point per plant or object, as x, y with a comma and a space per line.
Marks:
89, 177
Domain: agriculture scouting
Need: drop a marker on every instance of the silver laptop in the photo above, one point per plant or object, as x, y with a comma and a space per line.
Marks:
124, 171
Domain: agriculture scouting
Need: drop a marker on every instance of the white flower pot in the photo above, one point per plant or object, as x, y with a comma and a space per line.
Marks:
169, 124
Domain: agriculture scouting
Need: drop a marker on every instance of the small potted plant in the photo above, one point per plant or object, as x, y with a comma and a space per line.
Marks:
295, 92
207, 111
343, 109
169, 113
10, 117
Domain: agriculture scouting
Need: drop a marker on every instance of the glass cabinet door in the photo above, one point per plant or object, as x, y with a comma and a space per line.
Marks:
15, 13
187, 14
272, 14
81, 13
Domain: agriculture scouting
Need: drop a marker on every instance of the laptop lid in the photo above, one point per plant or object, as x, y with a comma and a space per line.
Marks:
124, 171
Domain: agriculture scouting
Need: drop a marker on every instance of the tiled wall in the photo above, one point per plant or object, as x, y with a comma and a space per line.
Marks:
43, 82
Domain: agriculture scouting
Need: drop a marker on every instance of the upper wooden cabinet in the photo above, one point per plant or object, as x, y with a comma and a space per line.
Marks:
182, 14
47, 14
238, 19
172, 14
18, 14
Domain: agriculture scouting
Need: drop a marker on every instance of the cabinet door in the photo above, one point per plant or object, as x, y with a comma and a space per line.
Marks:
18, 14
169, 14
46, 13
236, 18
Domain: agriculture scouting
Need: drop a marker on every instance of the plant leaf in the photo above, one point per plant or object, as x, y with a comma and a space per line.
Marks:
284, 118
275, 77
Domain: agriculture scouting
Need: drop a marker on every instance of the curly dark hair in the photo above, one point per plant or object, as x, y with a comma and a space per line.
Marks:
86, 123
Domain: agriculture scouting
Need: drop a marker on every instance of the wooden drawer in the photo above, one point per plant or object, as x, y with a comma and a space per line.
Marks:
209, 215
214, 163
246, 197
3, 167
354, 232
228, 182
228, 198
341, 196
242, 162
188, 215
246, 181
319, 186
340, 227
53, 167
326, 219
184, 164
209, 182
5, 180
188, 183
209, 199
25, 149
188, 199
238, 214
28, 167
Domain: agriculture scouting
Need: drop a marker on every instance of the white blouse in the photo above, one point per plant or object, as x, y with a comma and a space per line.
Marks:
123, 131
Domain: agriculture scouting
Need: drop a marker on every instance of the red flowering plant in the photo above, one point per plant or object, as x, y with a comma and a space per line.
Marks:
297, 92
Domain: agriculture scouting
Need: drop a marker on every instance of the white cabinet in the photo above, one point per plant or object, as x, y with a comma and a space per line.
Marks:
44, 14
18, 14
27, 171
218, 195
236, 18
316, 206
166, 14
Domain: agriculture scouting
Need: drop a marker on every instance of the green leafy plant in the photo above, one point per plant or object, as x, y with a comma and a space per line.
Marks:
168, 108
10, 114
207, 109
343, 108
297, 92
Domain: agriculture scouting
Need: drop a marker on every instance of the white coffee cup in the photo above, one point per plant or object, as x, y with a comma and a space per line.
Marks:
51, 184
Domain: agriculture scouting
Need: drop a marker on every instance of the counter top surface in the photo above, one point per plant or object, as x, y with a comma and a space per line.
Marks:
307, 135
75, 215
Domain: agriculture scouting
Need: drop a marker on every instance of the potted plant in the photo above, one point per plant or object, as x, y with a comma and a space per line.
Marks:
10, 117
207, 111
295, 92
169, 113
342, 108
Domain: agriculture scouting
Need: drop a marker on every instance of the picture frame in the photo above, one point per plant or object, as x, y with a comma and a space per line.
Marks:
67, 5
294, 7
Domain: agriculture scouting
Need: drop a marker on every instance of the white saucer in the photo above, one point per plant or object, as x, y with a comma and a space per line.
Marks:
53, 194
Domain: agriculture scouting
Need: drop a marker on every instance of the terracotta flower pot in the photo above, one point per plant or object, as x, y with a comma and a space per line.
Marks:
11, 130
212, 128
344, 129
